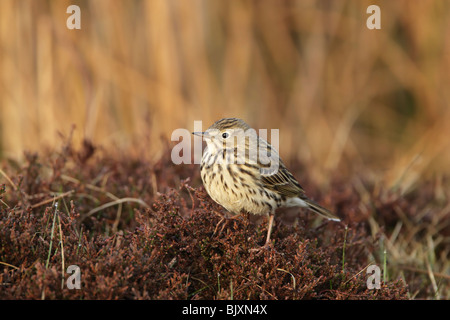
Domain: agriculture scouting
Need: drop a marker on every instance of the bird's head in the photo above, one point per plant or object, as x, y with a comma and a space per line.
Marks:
226, 133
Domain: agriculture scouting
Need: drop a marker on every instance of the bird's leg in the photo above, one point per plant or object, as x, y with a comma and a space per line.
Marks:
269, 230
237, 216
222, 219
225, 221
221, 215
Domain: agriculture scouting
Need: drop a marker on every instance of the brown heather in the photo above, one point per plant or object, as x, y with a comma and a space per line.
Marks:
168, 251
363, 117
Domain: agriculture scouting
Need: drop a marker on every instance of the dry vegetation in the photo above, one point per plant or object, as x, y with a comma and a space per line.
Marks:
137, 231
167, 249
364, 126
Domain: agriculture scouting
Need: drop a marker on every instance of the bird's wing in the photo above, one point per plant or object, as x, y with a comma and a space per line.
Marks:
274, 174
276, 177
283, 182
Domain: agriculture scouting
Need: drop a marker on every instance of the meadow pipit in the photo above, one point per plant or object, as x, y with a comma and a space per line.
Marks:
244, 173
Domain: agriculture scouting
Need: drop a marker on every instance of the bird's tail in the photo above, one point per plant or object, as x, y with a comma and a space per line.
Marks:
313, 206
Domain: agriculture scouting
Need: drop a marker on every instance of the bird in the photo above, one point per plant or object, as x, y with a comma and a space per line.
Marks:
243, 173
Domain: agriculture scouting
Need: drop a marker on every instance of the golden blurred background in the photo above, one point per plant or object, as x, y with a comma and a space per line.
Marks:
345, 98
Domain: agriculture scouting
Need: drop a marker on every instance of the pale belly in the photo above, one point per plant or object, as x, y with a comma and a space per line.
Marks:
238, 193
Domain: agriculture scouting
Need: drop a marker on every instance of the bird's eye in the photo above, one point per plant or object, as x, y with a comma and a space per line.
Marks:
225, 135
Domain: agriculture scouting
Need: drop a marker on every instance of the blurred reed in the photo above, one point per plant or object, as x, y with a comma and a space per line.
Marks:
344, 97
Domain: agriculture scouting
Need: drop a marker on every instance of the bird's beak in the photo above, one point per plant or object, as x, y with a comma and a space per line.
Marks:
205, 134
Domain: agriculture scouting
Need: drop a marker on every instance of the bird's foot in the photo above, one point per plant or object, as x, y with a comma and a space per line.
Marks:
267, 246
224, 221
